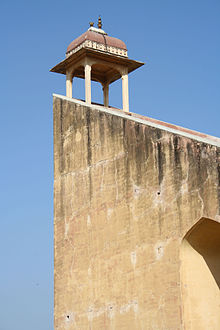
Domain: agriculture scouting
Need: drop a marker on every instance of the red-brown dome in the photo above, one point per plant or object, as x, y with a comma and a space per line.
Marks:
96, 37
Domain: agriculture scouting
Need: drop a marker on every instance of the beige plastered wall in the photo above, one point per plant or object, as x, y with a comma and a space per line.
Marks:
125, 196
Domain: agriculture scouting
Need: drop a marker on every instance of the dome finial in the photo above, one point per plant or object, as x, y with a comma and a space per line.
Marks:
91, 24
99, 22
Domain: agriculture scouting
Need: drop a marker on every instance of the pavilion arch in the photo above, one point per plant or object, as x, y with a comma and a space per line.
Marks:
100, 71
105, 74
200, 276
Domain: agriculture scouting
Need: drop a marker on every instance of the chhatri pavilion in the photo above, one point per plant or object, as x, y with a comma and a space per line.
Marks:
96, 56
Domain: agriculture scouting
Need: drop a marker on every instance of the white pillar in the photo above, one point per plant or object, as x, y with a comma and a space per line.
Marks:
105, 88
125, 94
69, 78
88, 83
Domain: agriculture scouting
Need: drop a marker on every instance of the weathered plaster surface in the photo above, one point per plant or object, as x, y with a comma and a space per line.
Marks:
125, 195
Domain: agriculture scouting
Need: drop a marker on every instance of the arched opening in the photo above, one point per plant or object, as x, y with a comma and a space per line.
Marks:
78, 89
200, 276
115, 94
105, 74
97, 93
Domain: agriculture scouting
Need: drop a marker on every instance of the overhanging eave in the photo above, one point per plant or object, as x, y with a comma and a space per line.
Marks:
108, 58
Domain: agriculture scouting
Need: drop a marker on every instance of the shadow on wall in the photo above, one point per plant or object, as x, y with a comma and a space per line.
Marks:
200, 276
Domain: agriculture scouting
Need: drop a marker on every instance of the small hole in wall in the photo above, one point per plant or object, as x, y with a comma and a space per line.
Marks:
68, 316
158, 193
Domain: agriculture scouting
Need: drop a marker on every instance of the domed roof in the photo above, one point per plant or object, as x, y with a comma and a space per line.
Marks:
98, 36
107, 56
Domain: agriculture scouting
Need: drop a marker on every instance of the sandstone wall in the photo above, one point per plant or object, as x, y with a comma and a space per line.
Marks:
125, 195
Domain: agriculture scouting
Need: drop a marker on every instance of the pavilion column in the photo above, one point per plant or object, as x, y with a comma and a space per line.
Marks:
125, 95
88, 83
69, 81
105, 88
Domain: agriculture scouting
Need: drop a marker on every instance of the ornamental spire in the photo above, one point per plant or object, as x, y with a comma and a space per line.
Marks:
99, 22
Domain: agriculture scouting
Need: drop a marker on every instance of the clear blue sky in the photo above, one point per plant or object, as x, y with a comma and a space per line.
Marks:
180, 83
